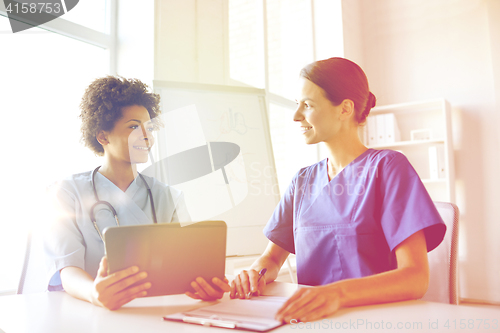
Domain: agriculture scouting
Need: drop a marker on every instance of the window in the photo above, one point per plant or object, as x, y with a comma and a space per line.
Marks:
290, 43
97, 10
269, 42
246, 42
44, 76
290, 151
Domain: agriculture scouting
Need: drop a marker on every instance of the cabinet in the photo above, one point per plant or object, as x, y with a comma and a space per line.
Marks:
431, 122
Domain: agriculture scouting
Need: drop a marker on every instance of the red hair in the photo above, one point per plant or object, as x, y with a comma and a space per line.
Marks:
342, 79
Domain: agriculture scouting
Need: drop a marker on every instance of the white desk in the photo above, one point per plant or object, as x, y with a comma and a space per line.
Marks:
58, 312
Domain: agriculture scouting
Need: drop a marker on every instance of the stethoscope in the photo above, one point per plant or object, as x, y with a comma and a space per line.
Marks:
113, 211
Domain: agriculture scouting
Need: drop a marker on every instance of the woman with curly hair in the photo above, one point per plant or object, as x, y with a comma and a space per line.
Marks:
118, 117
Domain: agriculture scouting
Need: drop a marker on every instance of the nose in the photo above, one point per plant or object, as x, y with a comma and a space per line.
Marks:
298, 116
148, 136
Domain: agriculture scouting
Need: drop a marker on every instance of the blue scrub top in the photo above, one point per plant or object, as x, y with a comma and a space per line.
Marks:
72, 239
348, 227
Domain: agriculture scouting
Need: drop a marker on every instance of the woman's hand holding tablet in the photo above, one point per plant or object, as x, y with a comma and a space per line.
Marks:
206, 292
112, 291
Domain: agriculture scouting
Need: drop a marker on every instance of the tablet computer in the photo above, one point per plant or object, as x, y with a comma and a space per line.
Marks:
173, 254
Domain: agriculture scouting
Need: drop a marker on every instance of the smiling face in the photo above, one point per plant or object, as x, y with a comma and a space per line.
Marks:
318, 117
131, 138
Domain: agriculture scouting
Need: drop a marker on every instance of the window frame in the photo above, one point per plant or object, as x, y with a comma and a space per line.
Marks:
84, 34
107, 41
271, 98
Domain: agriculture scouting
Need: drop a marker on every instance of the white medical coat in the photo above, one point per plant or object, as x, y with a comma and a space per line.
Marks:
73, 240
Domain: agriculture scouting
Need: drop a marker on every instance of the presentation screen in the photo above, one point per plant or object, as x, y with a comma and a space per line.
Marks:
214, 145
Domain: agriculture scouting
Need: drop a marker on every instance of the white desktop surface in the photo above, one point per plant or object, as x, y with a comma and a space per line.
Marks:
57, 312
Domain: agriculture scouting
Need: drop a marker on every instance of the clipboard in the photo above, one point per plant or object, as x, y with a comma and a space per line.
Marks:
255, 314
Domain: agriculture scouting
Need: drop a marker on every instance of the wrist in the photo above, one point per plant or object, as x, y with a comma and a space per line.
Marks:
257, 268
90, 295
336, 291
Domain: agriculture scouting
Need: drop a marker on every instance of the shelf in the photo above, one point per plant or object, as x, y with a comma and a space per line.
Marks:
407, 143
434, 181
410, 107
433, 115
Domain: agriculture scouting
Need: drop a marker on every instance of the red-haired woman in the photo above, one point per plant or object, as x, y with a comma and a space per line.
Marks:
360, 221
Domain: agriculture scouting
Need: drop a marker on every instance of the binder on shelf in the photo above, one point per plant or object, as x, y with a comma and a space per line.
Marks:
392, 133
433, 163
441, 162
380, 129
437, 169
372, 131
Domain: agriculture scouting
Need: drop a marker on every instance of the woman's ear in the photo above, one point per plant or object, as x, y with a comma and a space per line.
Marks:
102, 138
347, 108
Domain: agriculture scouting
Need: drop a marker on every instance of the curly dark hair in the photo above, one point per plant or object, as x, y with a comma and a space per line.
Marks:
102, 105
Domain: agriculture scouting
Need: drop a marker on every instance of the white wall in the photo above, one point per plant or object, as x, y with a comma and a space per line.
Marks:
135, 29
422, 49
172, 40
190, 41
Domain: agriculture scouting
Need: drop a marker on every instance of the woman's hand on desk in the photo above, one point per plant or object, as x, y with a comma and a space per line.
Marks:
247, 283
206, 292
309, 304
112, 291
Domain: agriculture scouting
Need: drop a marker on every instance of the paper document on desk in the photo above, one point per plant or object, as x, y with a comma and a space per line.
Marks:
255, 314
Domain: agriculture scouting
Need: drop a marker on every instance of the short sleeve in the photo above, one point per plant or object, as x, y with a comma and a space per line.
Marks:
406, 207
279, 228
63, 243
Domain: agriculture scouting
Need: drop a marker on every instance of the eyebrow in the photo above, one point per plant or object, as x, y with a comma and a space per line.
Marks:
146, 123
305, 99
133, 120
